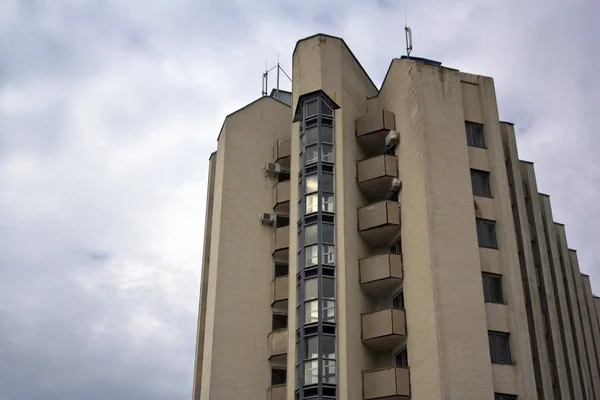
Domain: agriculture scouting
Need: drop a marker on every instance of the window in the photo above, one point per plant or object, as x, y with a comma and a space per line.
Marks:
328, 254
311, 289
329, 372
312, 347
312, 154
311, 312
311, 204
328, 288
475, 136
329, 347
278, 376
500, 396
499, 347
312, 255
480, 182
280, 321
310, 234
312, 183
326, 134
281, 221
327, 182
281, 270
398, 301
327, 150
311, 135
492, 288
486, 233
401, 358
311, 372
396, 247
328, 203
329, 311
328, 233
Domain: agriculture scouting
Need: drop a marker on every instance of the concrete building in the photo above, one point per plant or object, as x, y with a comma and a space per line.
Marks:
368, 243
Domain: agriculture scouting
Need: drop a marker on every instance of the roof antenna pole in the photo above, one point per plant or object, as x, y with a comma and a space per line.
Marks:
278, 67
408, 37
265, 80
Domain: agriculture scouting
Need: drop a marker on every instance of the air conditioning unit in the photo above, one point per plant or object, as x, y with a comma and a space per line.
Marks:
267, 218
395, 186
392, 138
274, 168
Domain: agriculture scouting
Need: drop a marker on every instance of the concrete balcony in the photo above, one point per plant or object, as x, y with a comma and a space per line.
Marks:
282, 152
280, 244
379, 223
278, 344
277, 392
383, 330
387, 384
375, 175
371, 130
381, 275
281, 197
280, 292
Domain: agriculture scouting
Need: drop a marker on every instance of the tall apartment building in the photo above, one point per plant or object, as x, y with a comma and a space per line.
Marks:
368, 243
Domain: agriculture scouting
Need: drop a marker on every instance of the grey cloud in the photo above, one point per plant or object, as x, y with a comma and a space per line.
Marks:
109, 110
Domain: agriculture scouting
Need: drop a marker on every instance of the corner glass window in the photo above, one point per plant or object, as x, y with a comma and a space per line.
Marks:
311, 289
311, 372
312, 154
312, 205
329, 288
327, 155
328, 203
328, 233
312, 183
310, 234
329, 372
311, 312
328, 182
312, 255
326, 134
328, 254
329, 311
329, 347
312, 108
312, 347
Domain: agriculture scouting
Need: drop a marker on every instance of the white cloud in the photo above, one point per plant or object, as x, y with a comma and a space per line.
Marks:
109, 111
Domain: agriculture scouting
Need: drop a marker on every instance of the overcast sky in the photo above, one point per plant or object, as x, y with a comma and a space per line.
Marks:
109, 110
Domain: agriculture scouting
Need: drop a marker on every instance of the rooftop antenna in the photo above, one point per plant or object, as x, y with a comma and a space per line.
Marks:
265, 78
408, 37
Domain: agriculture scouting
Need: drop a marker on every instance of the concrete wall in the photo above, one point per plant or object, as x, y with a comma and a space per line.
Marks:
235, 360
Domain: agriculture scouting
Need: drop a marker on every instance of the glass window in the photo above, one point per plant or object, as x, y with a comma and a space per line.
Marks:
486, 233
312, 108
312, 205
278, 376
329, 311
492, 288
329, 372
311, 289
310, 234
480, 182
325, 109
311, 312
498, 396
329, 347
398, 301
312, 154
329, 288
401, 359
312, 183
475, 136
311, 135
312, 255
328, 233
327, 155
311, 372
327, 182
328, 254
326, 134
312, 347
328, 203
499, 347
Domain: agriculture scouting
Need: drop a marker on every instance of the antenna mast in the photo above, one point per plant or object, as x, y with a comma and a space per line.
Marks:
265, 78
408, 37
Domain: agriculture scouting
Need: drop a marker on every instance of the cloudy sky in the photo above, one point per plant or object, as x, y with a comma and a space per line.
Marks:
109, 110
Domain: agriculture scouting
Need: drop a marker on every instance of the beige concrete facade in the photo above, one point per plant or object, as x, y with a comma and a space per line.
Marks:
414, 248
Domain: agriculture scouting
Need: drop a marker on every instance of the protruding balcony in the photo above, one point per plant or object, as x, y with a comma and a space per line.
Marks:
381, 274
383, 330
282, 152
280, 292
375, 175
379, 223
277, 392
280, 243
371, 130
281, 197
387, 384
278, 344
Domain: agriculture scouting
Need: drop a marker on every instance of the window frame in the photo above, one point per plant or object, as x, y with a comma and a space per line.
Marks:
470, 138
480, 236
493, 337
487, 293
486, 190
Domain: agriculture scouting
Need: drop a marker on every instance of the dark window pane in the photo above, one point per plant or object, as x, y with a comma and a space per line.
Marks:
312, 347
312, 183
480, 182
328, 346
278, 376
312, 154
498, 396
310, 234
499, 347
486, 233
281, 270
311, 135
281, 221
311, 289
398, 301
327, 182
327, 153
280, 321
492, 288
311, 108
327, 134
328, 288
328, 233
325, 109
475, 136
401, 359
